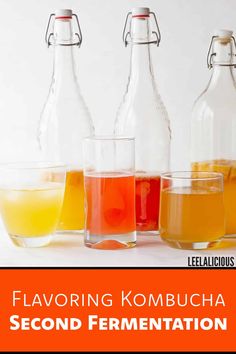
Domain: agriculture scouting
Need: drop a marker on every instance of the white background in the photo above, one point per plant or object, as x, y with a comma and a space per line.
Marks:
103, 63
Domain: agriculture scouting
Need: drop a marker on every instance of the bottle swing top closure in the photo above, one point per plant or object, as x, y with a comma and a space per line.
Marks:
49, 34
225, 36
127, 35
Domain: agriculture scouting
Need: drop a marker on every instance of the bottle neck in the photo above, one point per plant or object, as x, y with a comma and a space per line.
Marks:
222, 76
140, 64
64, 62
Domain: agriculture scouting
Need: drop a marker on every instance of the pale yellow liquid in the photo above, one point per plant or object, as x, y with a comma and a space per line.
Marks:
32, 212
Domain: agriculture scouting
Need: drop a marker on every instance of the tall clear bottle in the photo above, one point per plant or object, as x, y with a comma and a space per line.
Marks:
143, 115
65, 119
213, 122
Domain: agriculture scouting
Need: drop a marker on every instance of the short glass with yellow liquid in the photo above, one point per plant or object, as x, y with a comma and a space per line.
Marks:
192, 209
228, 169
31, 201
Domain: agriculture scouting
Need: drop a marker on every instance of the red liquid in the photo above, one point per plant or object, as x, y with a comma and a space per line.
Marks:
110, 204
147, 203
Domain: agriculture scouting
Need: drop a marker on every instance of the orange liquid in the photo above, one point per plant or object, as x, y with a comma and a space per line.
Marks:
228, 168
110, 204
72, 215
190, 215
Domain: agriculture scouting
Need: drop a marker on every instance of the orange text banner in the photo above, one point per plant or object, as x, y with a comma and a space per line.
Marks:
117, 310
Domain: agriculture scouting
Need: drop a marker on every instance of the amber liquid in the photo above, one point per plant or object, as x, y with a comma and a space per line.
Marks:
110, 204
190, 215
72, 215
147, 202
228, 168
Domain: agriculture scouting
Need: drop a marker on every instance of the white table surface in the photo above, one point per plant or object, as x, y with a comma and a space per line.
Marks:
69, 251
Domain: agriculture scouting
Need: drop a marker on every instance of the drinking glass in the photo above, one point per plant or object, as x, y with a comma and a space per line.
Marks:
110, 192
192, 209
31, 197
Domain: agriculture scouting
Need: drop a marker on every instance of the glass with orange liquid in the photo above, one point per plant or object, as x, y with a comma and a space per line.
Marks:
110, 192
192, 209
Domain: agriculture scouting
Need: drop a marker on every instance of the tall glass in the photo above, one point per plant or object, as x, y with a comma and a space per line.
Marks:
31, 197
192, 209
110, 192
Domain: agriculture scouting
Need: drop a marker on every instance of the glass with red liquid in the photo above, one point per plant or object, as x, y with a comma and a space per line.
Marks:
110, 192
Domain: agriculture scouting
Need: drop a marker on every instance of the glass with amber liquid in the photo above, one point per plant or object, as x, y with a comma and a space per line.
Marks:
110, 192
192, 209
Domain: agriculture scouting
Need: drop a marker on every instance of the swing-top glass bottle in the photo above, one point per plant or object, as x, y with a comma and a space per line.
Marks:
213, 123
143, 115
65, 118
